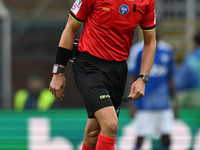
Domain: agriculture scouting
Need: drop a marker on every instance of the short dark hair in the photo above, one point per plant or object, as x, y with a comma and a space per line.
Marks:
197, 37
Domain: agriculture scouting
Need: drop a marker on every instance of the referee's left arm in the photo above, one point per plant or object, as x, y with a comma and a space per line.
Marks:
148, 51
138, 87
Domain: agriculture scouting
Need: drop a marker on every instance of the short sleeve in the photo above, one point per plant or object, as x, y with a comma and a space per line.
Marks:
81, 9
148, 21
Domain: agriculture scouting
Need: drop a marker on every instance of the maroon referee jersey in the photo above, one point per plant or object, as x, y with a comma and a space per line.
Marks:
109, 25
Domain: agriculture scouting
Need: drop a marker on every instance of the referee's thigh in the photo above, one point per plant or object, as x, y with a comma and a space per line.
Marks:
108, 121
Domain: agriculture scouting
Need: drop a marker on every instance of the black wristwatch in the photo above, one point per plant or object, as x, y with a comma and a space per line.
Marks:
58, 69
144, 77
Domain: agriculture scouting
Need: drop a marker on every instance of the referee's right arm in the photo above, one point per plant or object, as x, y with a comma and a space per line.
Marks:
57, 84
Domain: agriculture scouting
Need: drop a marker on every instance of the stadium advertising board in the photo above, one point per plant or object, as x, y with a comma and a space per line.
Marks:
63, 130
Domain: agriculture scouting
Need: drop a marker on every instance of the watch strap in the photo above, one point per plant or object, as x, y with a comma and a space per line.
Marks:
141, 76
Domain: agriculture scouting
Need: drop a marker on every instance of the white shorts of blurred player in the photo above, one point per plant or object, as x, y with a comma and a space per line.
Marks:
152, 124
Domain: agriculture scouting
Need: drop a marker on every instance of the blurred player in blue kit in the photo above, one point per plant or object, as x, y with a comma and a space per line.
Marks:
153, 113
187, 77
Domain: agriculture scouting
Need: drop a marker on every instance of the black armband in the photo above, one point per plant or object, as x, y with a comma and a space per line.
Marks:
63, 55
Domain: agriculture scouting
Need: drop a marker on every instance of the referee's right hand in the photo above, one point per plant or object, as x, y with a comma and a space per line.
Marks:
57, 85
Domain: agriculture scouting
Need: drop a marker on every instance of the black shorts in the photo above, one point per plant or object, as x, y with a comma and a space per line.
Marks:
101, 82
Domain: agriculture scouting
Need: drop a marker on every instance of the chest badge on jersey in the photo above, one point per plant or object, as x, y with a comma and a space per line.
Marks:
124, 9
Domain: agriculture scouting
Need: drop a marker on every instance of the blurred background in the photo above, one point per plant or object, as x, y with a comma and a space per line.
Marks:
29, 34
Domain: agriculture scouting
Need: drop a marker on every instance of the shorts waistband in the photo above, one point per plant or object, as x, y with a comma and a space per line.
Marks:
89, 56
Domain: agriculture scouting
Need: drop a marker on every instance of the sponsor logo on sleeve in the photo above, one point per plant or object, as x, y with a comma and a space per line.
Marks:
76, 7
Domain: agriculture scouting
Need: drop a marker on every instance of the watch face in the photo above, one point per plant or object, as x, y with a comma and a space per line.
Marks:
58, 69
55, 68
145, 78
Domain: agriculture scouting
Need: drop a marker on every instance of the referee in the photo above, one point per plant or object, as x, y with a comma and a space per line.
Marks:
100, 67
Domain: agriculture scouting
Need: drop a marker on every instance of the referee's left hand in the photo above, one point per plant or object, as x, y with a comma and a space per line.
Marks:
137, 89
57, 85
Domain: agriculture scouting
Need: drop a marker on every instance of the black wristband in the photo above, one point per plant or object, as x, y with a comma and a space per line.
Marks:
62, 56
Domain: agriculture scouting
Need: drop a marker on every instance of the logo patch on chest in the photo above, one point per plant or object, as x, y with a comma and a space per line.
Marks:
124, 9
